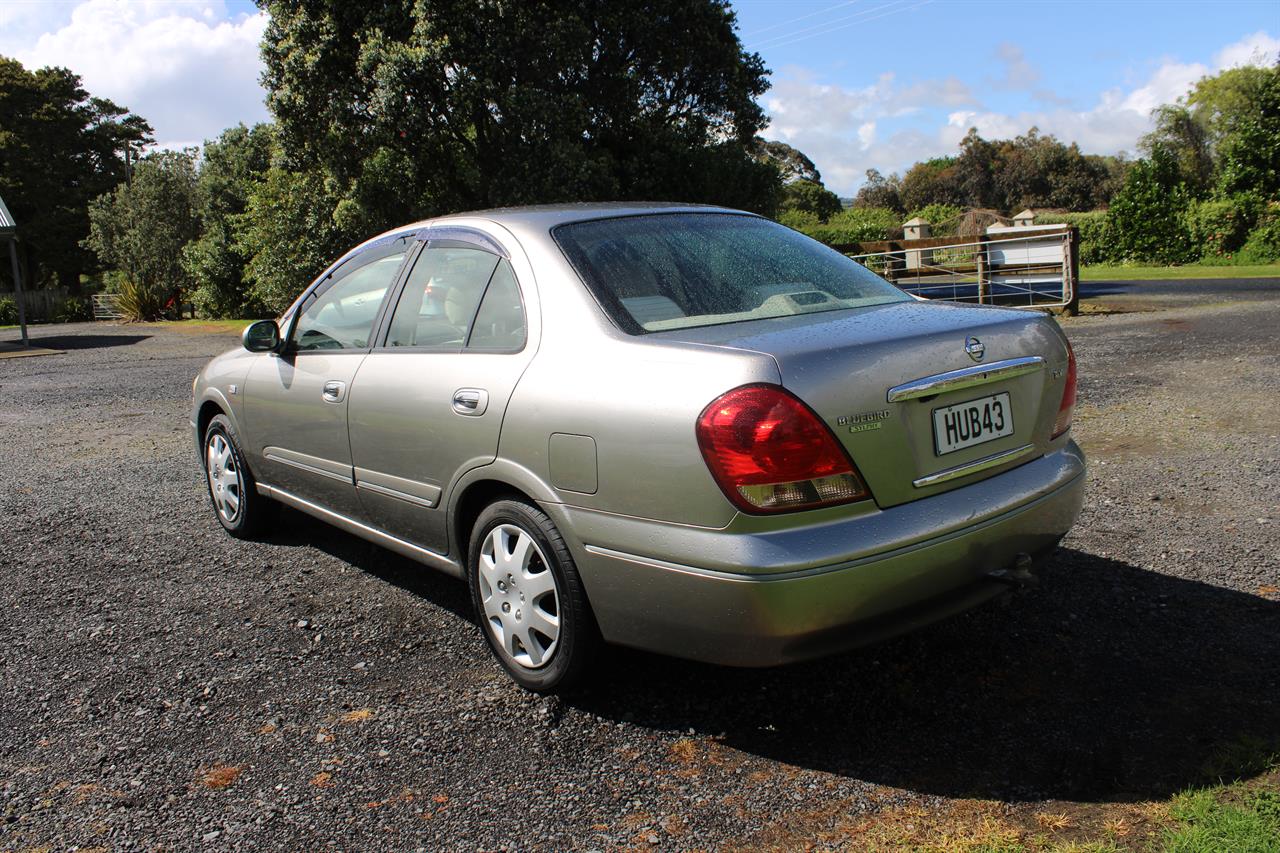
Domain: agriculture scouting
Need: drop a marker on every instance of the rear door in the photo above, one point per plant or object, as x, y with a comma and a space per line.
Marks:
296, 402
427, 403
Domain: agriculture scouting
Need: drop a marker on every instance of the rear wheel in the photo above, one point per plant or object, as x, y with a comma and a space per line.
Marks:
240, 510
529, 599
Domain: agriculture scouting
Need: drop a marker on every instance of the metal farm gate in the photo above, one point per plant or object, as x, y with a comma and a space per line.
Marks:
1031, 266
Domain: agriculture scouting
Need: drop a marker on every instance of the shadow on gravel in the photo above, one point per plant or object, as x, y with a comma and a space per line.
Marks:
73, 342
299, 529
1105, 682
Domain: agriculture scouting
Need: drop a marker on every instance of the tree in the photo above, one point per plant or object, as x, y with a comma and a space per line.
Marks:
59, 148
229, 168
880, 191
810, 197
141, 227
407, 110
293, 226
1249, 152
1187, 138
791, 163
933, 181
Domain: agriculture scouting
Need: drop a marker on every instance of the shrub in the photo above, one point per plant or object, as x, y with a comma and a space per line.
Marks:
1147, 220
1095, 233
73, 310
8, 311
1219, 227
801, 220
857, 225
139, 302
812, 198
1263, 244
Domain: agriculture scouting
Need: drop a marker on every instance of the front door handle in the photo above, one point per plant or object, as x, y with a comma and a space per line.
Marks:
471, 402
333, 391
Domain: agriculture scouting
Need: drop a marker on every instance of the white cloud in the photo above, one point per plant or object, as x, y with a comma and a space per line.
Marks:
1259, 48
844, 130
190, 69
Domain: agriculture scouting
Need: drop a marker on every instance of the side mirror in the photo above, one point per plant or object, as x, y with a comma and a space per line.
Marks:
262, 336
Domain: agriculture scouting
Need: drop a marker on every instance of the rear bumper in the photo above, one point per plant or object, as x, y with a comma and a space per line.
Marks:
766, 598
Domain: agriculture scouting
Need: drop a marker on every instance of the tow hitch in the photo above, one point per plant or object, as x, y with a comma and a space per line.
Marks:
1017, 577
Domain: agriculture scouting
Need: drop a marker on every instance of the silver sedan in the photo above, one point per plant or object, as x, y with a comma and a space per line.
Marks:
680, 428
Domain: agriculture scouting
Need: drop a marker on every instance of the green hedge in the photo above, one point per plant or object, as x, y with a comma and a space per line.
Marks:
1095, 233
1263, 243
1220, 227
856, 225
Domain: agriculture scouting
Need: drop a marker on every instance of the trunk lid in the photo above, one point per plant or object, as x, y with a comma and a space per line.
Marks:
843, 365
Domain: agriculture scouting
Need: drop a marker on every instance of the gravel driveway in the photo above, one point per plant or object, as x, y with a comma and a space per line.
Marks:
164, 686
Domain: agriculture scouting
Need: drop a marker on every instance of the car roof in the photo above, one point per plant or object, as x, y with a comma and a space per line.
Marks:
548, 216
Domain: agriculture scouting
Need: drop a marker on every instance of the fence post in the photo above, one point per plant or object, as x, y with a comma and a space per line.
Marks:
984, 280
1071, 272
917, 229
17, 290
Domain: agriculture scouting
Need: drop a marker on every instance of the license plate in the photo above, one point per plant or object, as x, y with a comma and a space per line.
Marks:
975, 422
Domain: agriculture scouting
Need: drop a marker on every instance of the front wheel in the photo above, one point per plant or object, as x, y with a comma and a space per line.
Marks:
241, 511
529, 599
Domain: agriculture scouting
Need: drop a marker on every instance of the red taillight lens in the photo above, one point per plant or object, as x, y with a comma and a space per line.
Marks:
770, 453
1063, 423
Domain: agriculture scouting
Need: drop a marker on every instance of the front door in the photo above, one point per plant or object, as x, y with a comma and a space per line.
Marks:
296, 402
428, 404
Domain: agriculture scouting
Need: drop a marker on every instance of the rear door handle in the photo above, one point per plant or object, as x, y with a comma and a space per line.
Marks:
471, 402
333, 391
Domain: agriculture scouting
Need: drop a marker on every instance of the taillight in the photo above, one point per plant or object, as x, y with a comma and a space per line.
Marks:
770, 453
1063, 423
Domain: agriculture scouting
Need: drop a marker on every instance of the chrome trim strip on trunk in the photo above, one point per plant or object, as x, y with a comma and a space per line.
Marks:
364, 531
966, 377
974, 467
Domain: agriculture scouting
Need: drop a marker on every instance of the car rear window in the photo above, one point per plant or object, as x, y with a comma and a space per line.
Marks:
655, 272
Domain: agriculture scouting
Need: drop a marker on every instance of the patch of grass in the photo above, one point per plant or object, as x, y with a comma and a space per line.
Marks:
202, 327
1122, 273
1212, 820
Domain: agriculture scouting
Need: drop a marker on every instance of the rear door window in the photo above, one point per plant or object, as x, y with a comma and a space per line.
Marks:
440, 297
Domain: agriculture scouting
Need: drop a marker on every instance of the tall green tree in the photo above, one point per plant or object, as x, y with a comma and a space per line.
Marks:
880, 192
230, 167
935, 181
1185, 136
1249, 151
408, 110
810, 197
59, 149
792, 163
140, 229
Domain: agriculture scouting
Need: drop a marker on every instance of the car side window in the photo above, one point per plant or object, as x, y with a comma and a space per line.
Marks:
440, 296
500, 321
342, 316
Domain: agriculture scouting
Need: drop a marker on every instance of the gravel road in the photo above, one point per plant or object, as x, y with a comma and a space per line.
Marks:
166, 687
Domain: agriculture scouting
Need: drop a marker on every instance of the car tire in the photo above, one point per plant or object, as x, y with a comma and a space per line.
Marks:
239, 508
529, 598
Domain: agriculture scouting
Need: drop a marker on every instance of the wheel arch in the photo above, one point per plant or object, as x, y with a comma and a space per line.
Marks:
480, 487
209, 409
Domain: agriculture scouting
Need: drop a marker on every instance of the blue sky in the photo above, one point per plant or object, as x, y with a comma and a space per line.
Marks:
857, 84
